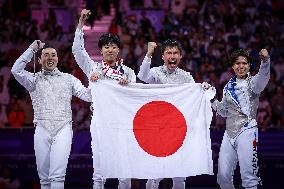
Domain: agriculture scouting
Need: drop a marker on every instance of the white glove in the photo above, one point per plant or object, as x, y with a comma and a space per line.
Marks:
36, 45
205, 85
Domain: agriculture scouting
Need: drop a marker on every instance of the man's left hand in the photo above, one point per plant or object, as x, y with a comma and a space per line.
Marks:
263, 54
95, 77
205, 85
123, 82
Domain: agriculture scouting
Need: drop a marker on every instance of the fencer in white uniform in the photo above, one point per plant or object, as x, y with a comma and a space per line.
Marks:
239, 107
169, 73
51, 92
110, 68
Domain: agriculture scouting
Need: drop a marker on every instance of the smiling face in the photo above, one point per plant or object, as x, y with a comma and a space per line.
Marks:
48, 59
172, 57
110, 53
241, 67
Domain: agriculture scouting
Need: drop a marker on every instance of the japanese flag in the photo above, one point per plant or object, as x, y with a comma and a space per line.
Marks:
151, 130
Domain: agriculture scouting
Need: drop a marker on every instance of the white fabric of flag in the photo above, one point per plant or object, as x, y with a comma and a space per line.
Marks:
151, 130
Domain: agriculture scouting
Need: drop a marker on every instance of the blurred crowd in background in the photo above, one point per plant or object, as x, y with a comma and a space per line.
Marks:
208, 29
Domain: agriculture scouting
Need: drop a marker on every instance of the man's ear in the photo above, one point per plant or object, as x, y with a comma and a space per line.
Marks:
39, 61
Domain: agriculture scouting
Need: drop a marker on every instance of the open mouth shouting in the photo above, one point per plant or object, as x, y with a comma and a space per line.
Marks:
172, 62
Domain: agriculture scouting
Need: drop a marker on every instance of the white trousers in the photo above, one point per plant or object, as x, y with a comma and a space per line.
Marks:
242, 149
98, 178
52, 155
178, 183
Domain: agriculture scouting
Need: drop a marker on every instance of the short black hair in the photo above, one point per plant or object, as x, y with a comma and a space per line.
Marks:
108, 38
45, 46
171, 43
239, 52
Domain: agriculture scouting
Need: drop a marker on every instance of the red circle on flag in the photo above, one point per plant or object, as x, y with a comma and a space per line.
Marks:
159, 128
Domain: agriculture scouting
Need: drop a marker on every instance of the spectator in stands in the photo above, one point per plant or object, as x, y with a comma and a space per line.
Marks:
5, 75
16, 115
4, 93
114, 28
277, 103
3, 116
146, 25
8, 179
26, 105
264, 114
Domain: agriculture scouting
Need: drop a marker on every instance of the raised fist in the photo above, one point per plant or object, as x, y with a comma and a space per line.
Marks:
151, 48
36, 45
85, 15
263, 54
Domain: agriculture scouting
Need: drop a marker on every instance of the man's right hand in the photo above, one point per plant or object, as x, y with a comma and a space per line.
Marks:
151, 48
84, 16
123, 82
36, 45
95, 77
